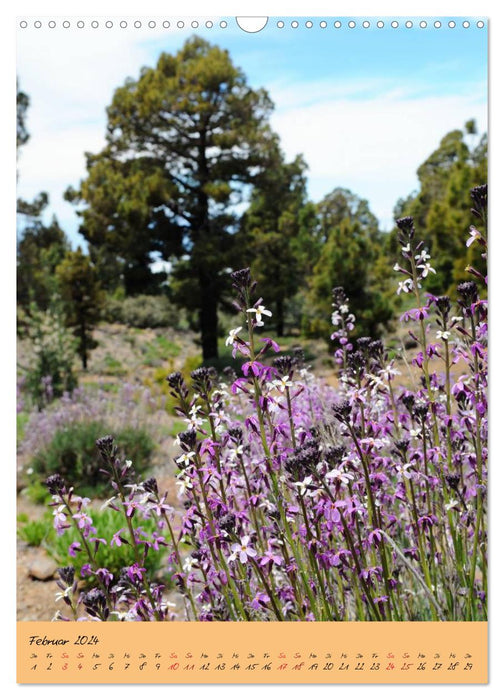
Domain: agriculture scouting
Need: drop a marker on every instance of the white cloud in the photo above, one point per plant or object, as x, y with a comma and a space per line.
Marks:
373, 144
367, 135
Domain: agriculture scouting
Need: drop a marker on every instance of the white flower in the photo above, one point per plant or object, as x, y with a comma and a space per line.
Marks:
343, 308
426, 269
107, 503
451, 504
283, 383
67, 593
396, 268
184, 484
242, 550
185, 459
341, 475
59, 516
219, 416
193, 423
405, 286
234, 453
422, 257
443, 335
230, 340
302, 486
259, 312
415, 433
389, 372
402, 470
375, 381
189, 563
134, 487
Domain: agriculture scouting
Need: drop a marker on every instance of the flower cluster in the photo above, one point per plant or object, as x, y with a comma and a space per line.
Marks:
306, 502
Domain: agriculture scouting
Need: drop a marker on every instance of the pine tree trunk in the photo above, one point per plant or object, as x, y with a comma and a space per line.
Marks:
208, 317
280, 318
83, 344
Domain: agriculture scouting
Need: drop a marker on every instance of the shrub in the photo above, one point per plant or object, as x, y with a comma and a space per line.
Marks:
72, 452
35, 532
113, 405
108, 522
49, 366
143, 311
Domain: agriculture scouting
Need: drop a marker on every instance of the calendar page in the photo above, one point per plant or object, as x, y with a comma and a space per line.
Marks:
252, 350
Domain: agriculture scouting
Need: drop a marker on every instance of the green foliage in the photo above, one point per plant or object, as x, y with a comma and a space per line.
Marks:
40, 250
73, 454
160, 351
351, 257
41, 532
22, 419
107, 522
277, 240
157, 379
37, 492
113, 366
109, 269
22, 104
49, 369
178, 426
182, 141
82, 297
36, 532
443, 204
142, 311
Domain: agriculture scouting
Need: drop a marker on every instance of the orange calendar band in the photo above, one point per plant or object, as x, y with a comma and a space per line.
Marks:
252, 652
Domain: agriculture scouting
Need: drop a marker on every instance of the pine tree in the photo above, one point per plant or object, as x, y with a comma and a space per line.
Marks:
352, 257
183, 141
82, 297
442, 206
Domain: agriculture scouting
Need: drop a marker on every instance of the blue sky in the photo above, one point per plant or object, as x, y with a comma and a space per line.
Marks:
365, 105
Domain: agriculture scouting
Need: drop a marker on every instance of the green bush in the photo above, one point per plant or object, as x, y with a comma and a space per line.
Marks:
107, 522
72, 453
35, 532
142, 311
37, 492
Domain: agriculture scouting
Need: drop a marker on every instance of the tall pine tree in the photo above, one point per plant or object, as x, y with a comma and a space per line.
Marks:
183, 141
